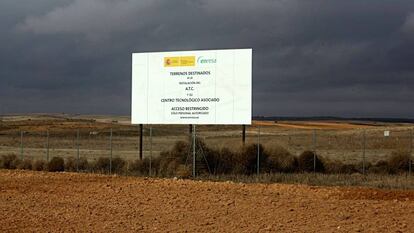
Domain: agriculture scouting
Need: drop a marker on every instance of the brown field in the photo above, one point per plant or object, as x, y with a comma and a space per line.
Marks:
341, 141
70, 202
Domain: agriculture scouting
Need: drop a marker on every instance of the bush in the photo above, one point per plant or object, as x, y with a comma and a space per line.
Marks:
381, 167
83, 164
141, 167
10, 162
70, 164
171, 168
183, 171
399, 162
39, 165
222, 161
337, 167
102, 165
180, 151
248, 158
307, 160
57, 164
26, 164
281, 160
118, 165
166, 165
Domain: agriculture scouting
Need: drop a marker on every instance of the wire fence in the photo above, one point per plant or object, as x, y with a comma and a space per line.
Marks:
359, 147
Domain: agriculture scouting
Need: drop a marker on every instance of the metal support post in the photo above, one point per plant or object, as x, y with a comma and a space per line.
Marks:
363, 152
150, 159
314, 150
47, 146
110, 147
194, 151
21, 145
411, 152
78, 152
258, 150
244, 135
141, 132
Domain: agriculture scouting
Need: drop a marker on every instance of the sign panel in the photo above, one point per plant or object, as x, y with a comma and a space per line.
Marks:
192, 87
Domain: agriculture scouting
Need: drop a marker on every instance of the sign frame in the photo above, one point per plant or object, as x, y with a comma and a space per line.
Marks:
206, 87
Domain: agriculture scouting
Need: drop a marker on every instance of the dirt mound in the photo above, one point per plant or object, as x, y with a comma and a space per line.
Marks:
56, 202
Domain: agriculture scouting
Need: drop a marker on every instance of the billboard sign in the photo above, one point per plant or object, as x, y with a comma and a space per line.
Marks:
192, 87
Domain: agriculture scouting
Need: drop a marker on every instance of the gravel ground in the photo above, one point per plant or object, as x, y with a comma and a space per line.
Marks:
70, 202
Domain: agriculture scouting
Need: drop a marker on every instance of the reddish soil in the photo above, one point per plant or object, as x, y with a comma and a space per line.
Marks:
69, 202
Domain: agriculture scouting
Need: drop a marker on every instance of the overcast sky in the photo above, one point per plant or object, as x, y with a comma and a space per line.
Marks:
350, 58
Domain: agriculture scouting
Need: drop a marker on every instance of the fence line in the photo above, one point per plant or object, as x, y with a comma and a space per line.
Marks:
377, 144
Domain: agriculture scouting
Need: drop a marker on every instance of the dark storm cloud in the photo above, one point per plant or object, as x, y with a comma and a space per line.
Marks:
345, 58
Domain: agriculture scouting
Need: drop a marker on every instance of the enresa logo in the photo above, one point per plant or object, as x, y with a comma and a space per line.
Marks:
203, 60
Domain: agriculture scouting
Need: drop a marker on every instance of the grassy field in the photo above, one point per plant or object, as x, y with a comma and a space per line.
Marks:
341, 141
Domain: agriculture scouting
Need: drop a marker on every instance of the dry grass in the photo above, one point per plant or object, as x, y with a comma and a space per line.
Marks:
318, 179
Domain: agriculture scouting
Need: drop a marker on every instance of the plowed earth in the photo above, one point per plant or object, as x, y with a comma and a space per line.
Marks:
69, 202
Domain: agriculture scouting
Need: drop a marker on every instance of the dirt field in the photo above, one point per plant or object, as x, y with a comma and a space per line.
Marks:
69, 202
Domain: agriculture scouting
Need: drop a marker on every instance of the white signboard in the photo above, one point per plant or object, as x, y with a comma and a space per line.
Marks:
192, 87
386, 133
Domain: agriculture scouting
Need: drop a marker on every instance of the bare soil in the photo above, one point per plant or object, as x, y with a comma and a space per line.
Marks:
70, 202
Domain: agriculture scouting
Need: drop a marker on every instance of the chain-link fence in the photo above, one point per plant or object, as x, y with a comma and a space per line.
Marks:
366, 149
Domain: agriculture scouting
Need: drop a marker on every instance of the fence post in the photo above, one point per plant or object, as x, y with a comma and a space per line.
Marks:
363, 152
258, 150
21, 145
110, 158
47, 146
411, 153
244, 135
314, 150
150, 160
141, 131
194, 150
190, 134
78, 152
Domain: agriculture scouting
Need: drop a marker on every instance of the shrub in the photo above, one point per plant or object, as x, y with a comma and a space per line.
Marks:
171, 168
281, 160
183, 171
26, 164
155, 165
118, 165
39, 165
168, 161
57, 164
381, 167
10, 161
337, 167
307, 160
180, 151
248, 158
102, 165
399, 161
222, 161
70, 164
141, 167
83, 164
